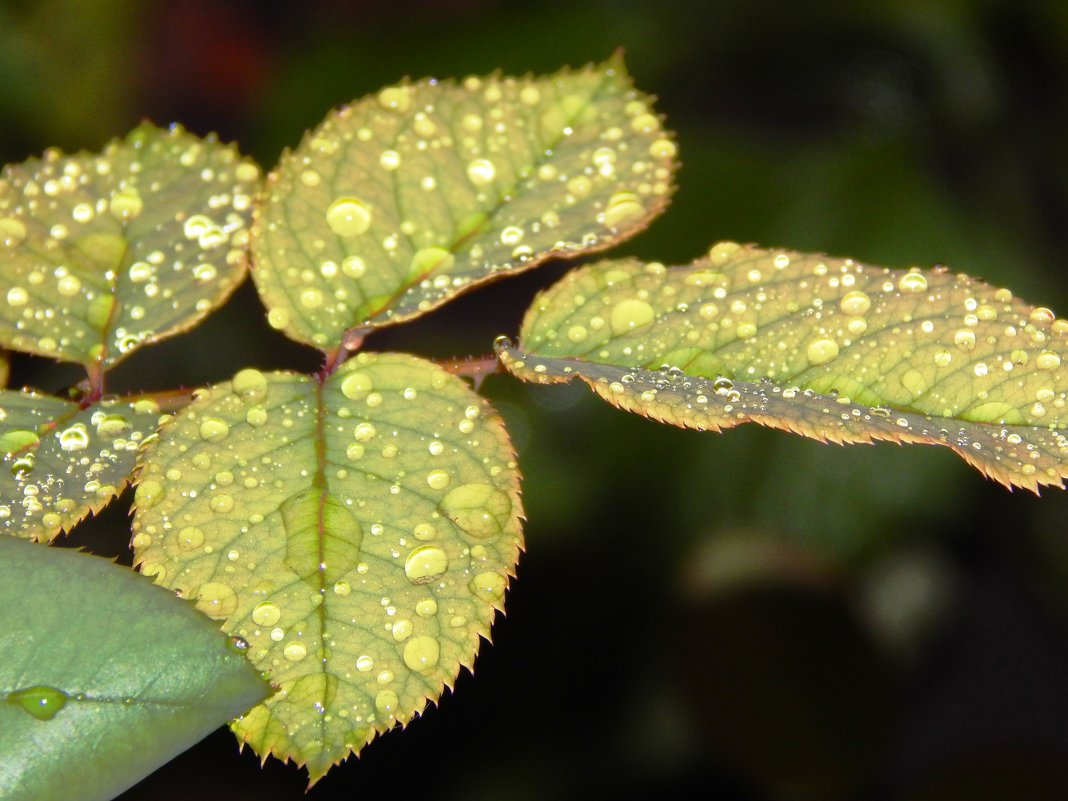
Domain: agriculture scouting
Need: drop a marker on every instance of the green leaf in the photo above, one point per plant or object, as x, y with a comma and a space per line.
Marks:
61, 462
401, 200
827, 348
102, 253
359, 533
104, 677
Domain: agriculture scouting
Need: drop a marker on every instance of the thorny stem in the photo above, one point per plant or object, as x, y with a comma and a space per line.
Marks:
474, 367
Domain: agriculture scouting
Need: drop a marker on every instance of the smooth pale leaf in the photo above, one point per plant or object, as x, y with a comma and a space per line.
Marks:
399, 201
359, 533
828, 348
101, 253
61, 462
104, 677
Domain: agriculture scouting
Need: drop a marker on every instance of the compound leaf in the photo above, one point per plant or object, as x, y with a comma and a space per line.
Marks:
828, 348
399, 201
104, 676
62, 462
359, 533
101, 253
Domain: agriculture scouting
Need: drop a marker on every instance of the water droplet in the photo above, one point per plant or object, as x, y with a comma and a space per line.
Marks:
354, 452
364, 432
221, 504
212, 429
342, 588
481, 172
964, 339
17, 296
630, 314
250, 385
421, 653
822, 351
427, 607
576, 333
256, 416
912, 282
386, 703
402, 630
662, 149
1047, 360
438, 479
111, 426
148, 494
266, 614
355, 385
425, 564
488, 587
395, 98
431, 260
390, 159
348, 216
41, 701
75, 438
12, 231
623, 206
856, 302
278, 318
190, 538
479, 509
294, 651
125, 204
216, 600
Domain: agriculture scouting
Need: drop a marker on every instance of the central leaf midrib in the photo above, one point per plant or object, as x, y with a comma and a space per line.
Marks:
320, 483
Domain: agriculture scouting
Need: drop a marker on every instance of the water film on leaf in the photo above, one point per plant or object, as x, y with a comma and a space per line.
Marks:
828, 348
357, 532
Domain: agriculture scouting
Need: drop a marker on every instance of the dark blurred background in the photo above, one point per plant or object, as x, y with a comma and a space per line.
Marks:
751, 615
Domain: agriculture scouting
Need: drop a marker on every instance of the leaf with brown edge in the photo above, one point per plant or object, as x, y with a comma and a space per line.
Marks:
828, 348
101, 253
403, 199
61, 462
358, 532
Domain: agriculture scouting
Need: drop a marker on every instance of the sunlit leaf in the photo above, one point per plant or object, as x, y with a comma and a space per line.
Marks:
104, 677
401, 200
62, 462
828, 348
100, 253
358, 533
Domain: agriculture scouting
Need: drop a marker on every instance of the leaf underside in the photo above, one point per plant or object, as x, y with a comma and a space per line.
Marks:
102, 253
358, 533
403, 199
104, 677
828, 348
62, 463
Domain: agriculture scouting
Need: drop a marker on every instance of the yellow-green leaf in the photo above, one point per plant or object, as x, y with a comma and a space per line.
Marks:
61, 462
359, 533
101, 253
828, 348
399, 201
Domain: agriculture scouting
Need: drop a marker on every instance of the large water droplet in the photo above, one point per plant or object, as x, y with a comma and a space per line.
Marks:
631, 314
212, 429
437, 479
623, 206
425, 564
479, 509
421, 653
75, 438
821, 351
386, 703
266, 614
355, 385
348, 216
148, 494
250, 385
216, 600
481, 172
488, 586
41, 701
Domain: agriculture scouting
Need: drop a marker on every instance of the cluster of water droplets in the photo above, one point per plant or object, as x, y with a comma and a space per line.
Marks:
354, 532
105, 252
63, 462
426, 188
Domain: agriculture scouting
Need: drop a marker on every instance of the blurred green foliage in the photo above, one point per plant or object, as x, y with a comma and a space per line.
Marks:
751, 614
